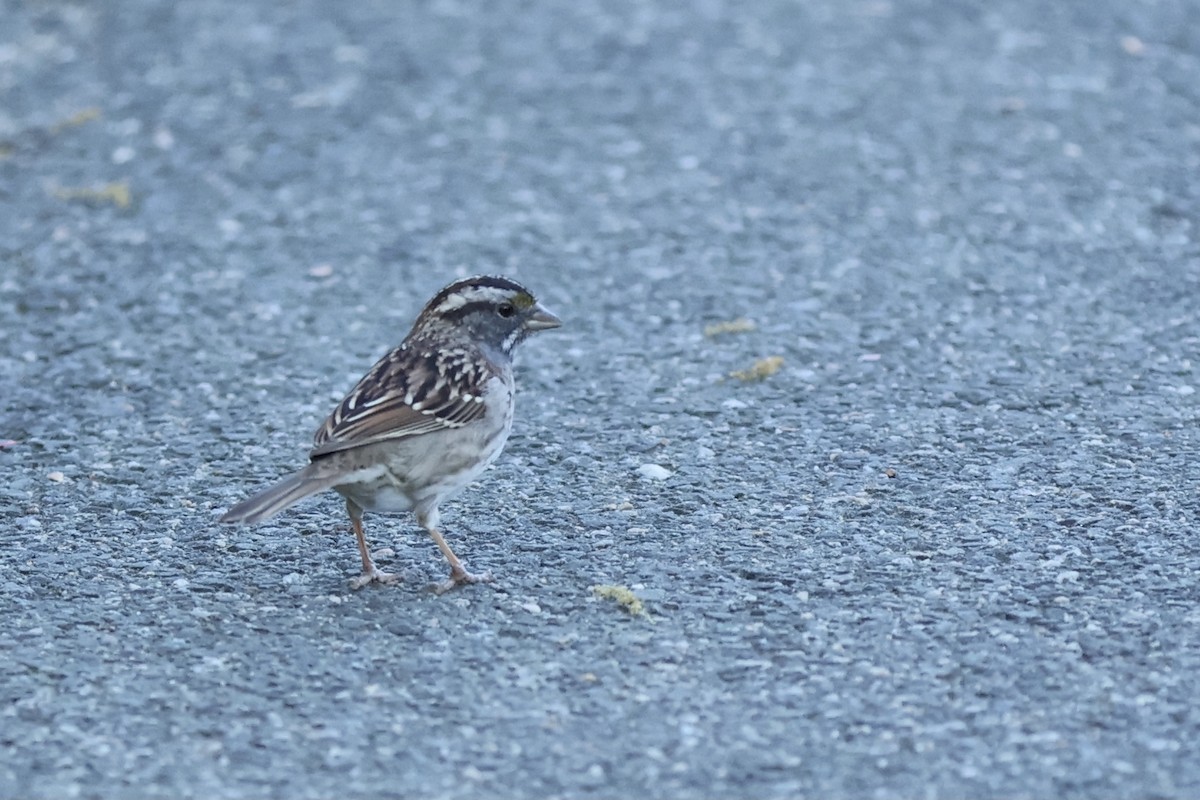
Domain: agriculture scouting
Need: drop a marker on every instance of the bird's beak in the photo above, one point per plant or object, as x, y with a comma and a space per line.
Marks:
540, 319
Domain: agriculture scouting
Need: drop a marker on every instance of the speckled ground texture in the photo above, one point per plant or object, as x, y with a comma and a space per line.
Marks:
948, 549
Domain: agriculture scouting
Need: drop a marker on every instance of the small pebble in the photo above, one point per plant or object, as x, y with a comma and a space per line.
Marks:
654, 472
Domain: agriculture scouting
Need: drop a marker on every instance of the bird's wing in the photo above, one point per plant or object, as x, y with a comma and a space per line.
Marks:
409, 392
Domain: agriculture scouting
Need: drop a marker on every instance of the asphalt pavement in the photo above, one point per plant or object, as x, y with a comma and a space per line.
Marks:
874, 414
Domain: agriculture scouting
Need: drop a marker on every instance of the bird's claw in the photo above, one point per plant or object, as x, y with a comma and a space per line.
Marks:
373, 575
460, 576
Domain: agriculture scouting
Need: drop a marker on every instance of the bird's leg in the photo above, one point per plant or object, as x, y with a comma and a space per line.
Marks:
370, 573
458, 573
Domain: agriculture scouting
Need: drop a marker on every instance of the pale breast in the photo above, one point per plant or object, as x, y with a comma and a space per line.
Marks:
432, 466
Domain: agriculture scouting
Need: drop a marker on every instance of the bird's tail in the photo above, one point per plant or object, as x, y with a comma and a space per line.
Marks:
271, 501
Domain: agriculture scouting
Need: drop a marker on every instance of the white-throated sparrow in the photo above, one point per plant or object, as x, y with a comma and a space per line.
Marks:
424, 421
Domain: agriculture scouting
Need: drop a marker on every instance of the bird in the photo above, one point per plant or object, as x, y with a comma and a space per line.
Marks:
423, 422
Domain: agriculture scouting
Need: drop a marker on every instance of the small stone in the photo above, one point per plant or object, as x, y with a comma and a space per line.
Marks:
1133, 45
654, 472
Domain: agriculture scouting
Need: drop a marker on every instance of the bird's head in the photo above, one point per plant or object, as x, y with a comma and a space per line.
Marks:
490, 310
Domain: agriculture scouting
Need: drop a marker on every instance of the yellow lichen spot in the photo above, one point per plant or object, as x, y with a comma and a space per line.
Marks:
759, 370
81, 117
116, 193
622, 596
739, 325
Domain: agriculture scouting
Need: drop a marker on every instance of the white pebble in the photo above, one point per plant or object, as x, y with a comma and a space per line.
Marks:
654, 472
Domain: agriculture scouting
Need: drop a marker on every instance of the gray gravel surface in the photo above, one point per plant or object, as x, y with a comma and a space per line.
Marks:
949, 549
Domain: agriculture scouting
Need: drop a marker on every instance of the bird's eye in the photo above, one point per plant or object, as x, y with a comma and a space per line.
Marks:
506, 310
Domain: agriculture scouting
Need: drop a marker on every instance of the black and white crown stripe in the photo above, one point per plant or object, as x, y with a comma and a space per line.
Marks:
481, 291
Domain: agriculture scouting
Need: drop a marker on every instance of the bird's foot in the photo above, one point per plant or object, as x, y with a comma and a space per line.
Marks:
373, 575
458, 576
